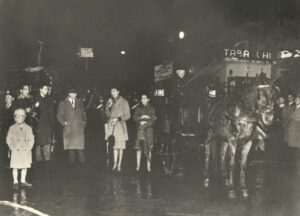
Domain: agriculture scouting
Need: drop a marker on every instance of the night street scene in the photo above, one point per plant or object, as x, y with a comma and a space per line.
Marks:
150, 107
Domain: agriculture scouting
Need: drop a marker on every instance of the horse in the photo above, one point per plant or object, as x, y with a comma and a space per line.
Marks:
234, 122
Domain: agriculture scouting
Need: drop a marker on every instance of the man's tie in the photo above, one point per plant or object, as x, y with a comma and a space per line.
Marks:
73, 103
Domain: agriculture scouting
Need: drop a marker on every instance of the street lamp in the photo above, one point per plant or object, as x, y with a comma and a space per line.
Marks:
181, 35
123, 52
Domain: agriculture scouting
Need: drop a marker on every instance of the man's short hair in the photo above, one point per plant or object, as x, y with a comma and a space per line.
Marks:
24, 84
42, 85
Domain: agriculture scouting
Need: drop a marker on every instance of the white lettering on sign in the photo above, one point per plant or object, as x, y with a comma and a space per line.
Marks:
233, 53
289, 54
86, 53
246, 54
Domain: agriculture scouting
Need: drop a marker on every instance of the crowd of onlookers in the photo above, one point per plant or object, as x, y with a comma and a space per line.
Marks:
29, 125
286, 127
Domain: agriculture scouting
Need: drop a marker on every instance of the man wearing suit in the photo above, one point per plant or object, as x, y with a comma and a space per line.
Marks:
72, 116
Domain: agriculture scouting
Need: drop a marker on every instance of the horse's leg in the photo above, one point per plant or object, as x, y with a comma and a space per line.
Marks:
244, 155
207, 143
206, 165
232, 150
223, 150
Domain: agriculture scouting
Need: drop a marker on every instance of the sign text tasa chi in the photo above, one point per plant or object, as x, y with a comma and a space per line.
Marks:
162, 72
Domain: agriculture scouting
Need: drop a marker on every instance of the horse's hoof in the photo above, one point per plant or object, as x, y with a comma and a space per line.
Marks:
231, 194
244, 193
206, 183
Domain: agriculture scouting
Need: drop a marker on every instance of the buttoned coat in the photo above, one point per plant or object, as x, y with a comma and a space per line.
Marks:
75, 118
46, 121
120, 109
144, 132
20, 140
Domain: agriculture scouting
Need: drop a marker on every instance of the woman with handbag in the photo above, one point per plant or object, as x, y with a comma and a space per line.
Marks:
118, 112
145, 117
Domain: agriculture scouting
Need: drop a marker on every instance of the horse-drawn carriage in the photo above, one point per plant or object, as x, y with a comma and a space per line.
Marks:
229, 123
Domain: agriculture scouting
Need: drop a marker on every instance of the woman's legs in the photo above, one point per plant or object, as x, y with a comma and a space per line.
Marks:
149, 162
138, 159
120, 159
15, 175
116, 154
23, 175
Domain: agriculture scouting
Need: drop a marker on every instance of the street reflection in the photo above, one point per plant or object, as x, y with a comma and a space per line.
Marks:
143, 186
19, 197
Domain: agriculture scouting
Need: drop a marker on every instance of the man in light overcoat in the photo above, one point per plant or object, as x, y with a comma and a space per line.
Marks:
72, 116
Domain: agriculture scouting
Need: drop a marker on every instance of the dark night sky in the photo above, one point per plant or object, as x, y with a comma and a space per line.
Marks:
146, 29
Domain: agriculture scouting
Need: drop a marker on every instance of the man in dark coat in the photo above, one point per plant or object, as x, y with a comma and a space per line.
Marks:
72, 116
45, 125
25, 101
7, 119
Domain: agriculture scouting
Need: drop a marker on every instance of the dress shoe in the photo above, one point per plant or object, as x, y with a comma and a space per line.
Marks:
25, 184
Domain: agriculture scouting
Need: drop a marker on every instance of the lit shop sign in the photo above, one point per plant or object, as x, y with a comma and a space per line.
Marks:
86, 53
235, 53
159, 92
288, 54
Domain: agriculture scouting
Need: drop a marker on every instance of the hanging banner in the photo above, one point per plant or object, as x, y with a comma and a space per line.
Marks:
163, 72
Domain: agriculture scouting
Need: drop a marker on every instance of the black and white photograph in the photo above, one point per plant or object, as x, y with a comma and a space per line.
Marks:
150, 107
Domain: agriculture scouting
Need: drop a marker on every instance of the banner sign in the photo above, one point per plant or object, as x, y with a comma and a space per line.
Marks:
260, 55
246, 54
162, 72
86, 53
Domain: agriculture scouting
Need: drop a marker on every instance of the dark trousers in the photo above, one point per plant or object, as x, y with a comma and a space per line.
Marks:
81, 156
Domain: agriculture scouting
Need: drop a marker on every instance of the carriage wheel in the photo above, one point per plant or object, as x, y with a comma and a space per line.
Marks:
168, 156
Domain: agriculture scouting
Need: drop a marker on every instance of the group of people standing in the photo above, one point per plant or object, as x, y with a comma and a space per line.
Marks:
30, 123
288, 120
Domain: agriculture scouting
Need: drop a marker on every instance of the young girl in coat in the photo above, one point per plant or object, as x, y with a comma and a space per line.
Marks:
20, 140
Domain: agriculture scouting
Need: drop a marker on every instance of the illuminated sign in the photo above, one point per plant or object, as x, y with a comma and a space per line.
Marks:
212, 93
159, 93
288, 54
260, 55
236, 53
86, 53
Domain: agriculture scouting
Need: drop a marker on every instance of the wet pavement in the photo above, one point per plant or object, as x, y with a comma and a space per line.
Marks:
90, 189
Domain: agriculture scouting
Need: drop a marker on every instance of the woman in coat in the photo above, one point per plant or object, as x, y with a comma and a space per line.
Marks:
145, 117
118, 112
72, 116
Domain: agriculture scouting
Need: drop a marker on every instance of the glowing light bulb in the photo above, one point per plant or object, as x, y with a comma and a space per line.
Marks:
181, 35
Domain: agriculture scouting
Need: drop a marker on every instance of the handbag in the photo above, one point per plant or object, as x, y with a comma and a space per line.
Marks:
111, 138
